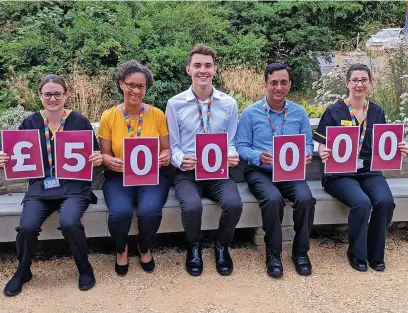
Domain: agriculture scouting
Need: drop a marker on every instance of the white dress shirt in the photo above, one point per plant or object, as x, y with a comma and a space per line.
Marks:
183, 121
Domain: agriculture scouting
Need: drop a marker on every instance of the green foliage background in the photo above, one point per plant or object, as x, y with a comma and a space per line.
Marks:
42, 37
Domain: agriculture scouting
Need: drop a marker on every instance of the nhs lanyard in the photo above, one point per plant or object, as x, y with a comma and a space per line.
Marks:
268, 115
47, 136
200, 112
353, 121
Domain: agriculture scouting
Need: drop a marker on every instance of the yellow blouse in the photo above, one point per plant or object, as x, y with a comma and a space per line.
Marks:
113, 127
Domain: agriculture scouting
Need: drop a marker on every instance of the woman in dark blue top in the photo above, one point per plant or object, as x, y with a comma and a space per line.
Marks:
364, 189
69, 197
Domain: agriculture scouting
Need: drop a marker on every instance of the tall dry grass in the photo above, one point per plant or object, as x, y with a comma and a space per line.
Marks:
89, 95
23, 94
247, 82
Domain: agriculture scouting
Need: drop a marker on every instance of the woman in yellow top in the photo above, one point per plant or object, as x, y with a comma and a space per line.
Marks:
130, 119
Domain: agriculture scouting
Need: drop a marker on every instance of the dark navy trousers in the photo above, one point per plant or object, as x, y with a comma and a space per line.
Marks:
361, 193
121, 200
272, 207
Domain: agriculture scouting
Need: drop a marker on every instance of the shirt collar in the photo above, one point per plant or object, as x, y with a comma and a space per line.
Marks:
287, 103
190, 95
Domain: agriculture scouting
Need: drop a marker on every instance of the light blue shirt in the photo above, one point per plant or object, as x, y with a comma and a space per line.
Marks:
254, 134
184, 123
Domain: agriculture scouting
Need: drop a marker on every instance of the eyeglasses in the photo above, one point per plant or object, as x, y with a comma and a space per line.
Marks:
134, 86
48, 95
275, 83
363, 81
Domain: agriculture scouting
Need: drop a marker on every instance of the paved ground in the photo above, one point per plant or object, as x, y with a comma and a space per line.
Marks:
333, 287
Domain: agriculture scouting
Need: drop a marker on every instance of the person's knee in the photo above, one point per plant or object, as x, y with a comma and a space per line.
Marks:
192, 208
272, 204
305, 200
386, 204
361, 206
232, 205
118, 215
68, 222
151, 208
29, 225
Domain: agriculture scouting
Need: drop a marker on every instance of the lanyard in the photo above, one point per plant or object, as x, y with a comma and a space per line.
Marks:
285, 115
200, 112
140, 124
353, 121
47, 136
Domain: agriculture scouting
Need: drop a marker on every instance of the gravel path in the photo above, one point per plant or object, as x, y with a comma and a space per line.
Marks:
333, 287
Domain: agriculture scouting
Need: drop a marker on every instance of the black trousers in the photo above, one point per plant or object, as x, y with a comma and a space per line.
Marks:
361, 193
189, 193
35, 212
272, 207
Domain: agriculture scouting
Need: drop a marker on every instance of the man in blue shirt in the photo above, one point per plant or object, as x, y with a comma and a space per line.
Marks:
275, 115
202, 108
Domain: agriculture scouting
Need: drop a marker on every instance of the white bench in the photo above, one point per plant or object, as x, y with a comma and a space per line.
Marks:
328, 211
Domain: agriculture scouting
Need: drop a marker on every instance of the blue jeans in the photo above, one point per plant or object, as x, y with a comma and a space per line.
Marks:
360, 193
120, 200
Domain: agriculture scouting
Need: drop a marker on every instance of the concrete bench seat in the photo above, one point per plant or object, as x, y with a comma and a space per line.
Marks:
328, 211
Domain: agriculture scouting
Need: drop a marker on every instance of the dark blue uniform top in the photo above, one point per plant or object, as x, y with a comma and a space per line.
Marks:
68, 188
333, 116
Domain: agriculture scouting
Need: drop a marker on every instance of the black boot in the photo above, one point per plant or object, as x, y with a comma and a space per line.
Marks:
194, 260
223, 261
75, 235
26, 244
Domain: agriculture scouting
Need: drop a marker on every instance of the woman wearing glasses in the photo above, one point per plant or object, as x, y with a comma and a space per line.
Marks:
133, 118
46, 195
364, 189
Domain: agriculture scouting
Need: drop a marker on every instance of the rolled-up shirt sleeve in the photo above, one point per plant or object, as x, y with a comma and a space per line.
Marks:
244, 142
307, 130
174, 136
232, 129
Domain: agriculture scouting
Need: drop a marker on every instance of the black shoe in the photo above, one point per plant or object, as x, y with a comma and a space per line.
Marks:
358, 265
121, 270
274, 266
86, 280
378, 266
302, 263
15, 284
148, 267
194, 260
223, 261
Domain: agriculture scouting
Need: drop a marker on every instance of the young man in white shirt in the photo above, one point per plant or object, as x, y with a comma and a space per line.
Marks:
202, 108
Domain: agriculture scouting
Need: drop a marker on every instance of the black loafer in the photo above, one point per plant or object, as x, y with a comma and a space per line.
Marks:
358, 265
274, 266
302, 263
223, 261
194, 260
121, 270
15, 284
86, 280
378, 266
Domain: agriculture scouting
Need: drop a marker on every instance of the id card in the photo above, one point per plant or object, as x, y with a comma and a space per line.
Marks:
360, 163
51, 182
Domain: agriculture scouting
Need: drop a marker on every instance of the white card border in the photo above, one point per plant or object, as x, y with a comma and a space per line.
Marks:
325, 164
39, 145
158, 163
55, 149
273, 160
195, 149
372, 149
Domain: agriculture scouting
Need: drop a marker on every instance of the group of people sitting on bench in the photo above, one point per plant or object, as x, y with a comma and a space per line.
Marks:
204, 109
